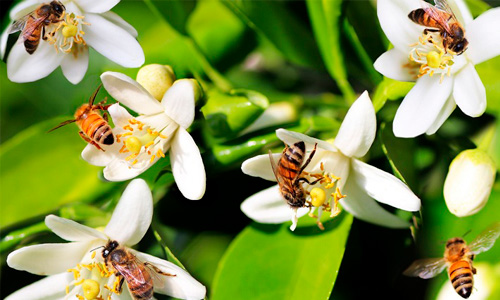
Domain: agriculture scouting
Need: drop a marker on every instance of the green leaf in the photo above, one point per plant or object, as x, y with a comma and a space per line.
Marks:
489, 71
326, 20
225, 39
227, 114
42, 171
175, 12
273, 20
13, 238
272, 262
477, 7
390, 89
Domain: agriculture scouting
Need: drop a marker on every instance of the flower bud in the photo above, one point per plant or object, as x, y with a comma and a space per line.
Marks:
156, 79
198, 91
469, 181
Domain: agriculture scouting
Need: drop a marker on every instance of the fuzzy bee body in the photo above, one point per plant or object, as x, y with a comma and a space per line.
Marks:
94, 129
288, 173
33, 24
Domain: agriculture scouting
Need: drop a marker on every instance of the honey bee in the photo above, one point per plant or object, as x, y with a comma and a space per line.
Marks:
139, 275
94, 128
440, 18
288, 173
458, 257
33, 24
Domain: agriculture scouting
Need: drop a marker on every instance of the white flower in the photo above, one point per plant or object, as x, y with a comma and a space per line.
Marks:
443, 81
360, 182
469, 181
141, 141
74, 267
86, 23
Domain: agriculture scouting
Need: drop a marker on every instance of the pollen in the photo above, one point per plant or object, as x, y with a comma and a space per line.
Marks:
90, 289
318, 197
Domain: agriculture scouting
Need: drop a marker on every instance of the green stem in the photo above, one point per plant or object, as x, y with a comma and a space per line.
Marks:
486, 139
161, 240
361, 52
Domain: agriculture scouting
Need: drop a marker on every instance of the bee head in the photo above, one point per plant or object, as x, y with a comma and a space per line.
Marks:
460, 47
57, 7
110, 246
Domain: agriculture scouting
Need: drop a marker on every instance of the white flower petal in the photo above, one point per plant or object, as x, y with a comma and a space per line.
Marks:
390, 64
334, 162
96, 157
291, 137
119, 170
132, 215
48, 259
443, 115
48, 288
74, 68
399, 29
182, 285
269, 206
23, 8
461, 11
4, 38
469, 92
361, 206
178, 102
113, 42
23, 67
384, 187
117, 20
357, 132
71, 230
484, 37
96, 6
187, 165
421, 107
260, 166
127, 91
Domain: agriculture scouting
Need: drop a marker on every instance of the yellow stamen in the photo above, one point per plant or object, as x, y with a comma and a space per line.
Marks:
132, 156
79, 282
149, 144
160, 153
152, 159
93, 255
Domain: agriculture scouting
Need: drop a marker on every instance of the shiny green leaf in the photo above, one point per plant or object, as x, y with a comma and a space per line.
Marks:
272, 262
35, 167
277, 23
489, 71
390, 89
326, 22
227, 114
225, 39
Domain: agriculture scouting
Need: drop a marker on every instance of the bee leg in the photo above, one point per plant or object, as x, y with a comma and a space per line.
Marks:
309, 159
120, 286
43, 34
101, 105
307, 181
88, 140
105, 117
157, 270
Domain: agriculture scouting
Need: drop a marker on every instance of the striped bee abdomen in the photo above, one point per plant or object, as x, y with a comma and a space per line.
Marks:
291, 161
461, 278
421, 17
96, 128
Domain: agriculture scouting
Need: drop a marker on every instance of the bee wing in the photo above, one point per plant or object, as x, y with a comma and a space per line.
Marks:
275, 167
485, 240
444, 6
440, 16
132, 272
19, 24
426, 268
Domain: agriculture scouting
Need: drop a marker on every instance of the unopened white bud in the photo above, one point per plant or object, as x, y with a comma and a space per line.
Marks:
156, 79
469, 181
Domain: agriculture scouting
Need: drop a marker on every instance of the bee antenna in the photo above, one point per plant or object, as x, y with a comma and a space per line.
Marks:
96, 248
466, 233
62, 124
94, 95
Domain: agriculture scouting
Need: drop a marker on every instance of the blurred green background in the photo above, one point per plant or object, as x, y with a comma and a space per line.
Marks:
315, 56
